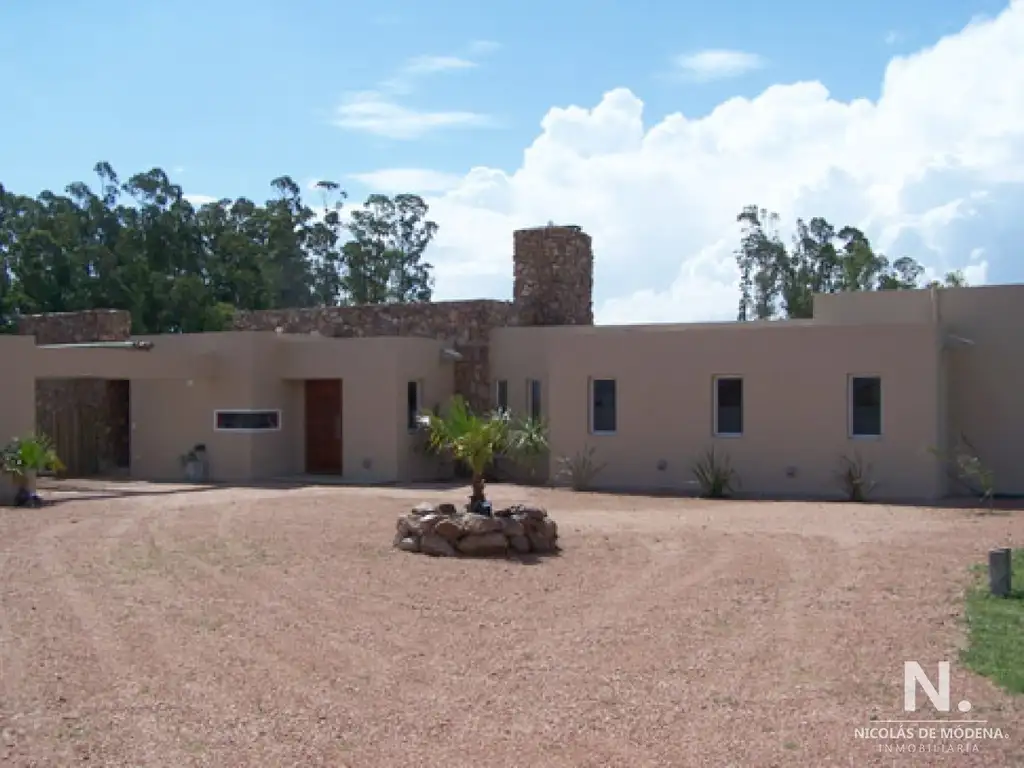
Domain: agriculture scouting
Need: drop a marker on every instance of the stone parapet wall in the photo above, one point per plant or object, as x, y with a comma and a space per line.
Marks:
459, 322
77, 327
466, 325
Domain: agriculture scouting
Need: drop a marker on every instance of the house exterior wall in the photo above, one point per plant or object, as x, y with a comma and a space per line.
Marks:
465, 325
795, 384
949, 359
986, 377
982, 370
75, 412
177, 386
419, 360
17, 402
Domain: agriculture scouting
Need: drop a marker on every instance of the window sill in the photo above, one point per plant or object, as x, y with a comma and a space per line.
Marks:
247, 431
727, 435
864, 437
603, 433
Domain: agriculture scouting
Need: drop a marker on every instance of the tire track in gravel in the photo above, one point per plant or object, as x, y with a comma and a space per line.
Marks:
167, 662
112, 655
309, 689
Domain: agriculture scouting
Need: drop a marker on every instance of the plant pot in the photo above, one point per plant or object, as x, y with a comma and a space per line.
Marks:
194, 470
8, 489
29, 482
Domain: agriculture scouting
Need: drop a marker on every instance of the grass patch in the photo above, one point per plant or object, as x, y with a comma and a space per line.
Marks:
995, 630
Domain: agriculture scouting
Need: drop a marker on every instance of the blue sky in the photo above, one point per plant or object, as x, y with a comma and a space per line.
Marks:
226, 95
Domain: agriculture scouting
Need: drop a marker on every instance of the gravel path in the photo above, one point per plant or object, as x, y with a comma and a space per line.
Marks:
270, 627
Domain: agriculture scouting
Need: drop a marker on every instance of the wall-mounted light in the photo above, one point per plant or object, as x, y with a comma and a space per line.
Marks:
447, 353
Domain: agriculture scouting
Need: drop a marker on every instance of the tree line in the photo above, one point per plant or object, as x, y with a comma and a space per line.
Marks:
777, 281
140, 245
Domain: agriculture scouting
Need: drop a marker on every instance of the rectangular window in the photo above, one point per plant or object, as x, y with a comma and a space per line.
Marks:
728, 406
414, 404
865, 393
501, 394
533, 399
602, 406
246, 421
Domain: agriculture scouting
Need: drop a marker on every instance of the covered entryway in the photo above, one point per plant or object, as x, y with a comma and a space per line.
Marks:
88, 420
323, 426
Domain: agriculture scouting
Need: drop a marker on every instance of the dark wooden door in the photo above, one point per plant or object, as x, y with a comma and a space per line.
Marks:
119, 402
323, 426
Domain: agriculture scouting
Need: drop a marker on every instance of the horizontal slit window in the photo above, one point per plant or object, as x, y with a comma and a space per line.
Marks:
247, 421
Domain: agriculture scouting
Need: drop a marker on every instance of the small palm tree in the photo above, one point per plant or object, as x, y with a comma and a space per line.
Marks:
470, 438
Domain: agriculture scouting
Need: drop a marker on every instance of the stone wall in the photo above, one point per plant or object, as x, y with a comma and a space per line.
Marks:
553, 285
554, 276
79, 414
75, 327
443, 531
466, 325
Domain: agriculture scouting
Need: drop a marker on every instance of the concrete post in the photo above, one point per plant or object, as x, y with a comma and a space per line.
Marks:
999, 565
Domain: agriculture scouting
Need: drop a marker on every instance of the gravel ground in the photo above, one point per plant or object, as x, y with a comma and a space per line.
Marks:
274, 627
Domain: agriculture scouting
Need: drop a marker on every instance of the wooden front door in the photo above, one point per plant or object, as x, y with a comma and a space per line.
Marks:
323, 426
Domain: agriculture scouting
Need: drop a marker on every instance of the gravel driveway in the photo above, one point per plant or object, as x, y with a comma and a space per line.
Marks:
274, 627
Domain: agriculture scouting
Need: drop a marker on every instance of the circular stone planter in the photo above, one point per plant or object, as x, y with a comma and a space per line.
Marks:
444, 531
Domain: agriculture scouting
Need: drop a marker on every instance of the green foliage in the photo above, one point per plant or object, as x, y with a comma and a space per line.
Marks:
776, 281
855, 478
180, 266
965, 466
30, 453
715, 475
527, 441
995, 631
580, 469
476, 440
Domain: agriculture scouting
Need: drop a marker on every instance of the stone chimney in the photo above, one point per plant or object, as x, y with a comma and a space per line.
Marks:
554, 276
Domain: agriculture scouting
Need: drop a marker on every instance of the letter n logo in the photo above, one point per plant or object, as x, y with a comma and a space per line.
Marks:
913, 674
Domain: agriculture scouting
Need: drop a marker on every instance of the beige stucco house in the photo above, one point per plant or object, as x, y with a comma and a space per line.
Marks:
886, 376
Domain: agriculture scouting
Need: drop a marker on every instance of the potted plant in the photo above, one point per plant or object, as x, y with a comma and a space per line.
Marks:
194, 463
23, 459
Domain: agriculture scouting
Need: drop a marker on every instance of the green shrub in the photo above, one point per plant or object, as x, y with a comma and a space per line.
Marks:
580, 469
30, 453
966, 467
855, 478
715, 475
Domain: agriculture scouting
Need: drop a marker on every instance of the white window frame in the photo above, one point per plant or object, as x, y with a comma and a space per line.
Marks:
497, 393
217, 412
419, 402
714, 404
849, 406
590, 405
529, 398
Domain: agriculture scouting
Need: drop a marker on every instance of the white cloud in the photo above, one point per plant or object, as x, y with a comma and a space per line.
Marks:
933, 169
717, 64
425, 65
373, 112
891, 37
413, 180
379, 110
